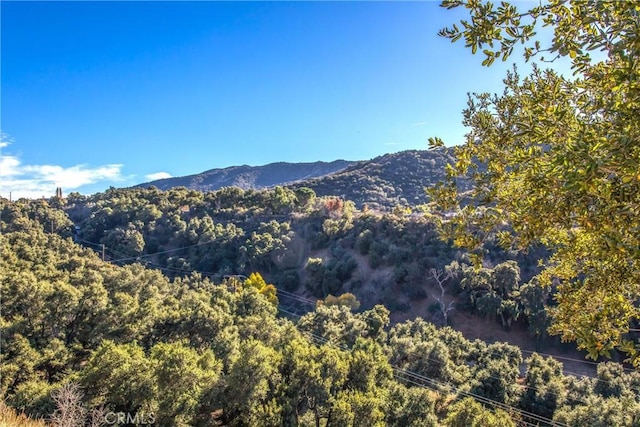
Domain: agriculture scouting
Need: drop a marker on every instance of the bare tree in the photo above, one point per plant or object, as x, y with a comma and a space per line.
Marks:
70, 411
98, 416
441, 276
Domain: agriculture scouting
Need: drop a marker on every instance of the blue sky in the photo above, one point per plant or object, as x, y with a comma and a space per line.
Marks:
96, 94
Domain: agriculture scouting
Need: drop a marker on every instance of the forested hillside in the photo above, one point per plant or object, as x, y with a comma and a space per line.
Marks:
274, 307
190, 351
313, 246
396, 179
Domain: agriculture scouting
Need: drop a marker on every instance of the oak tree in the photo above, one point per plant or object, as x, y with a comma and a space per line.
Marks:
556, 160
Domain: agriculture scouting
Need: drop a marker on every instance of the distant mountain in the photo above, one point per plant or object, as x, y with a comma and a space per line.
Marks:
254, 177
381, 183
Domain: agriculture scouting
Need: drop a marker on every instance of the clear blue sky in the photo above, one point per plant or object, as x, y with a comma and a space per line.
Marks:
107, 93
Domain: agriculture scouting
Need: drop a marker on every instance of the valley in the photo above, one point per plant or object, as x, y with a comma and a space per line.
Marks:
143, 274
493, 283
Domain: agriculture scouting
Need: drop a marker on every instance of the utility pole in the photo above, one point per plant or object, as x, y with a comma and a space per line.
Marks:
103, 252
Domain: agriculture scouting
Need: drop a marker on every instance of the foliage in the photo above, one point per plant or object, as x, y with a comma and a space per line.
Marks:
193, 351
256, 281
545, 390
469, 413
346, 299
328, 279
560, 159
495, 292
232, 232
599, 412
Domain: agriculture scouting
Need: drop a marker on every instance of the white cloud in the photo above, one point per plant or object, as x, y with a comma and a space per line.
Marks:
5, 139
158, 175
9, 166
34, 181
391, 143
419, 124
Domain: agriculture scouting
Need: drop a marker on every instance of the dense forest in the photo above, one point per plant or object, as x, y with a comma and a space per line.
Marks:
274, 307
162, 335
309, 245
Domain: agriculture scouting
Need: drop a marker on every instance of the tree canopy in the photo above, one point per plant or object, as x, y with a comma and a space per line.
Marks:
556, 159
190, 351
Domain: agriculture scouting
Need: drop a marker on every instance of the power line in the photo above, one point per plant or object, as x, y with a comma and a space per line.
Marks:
490, 376
432, 381
246, 233
306, 300
502, 405
137, 258
313, 303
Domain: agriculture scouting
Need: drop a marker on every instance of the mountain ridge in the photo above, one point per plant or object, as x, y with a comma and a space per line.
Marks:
380, 183
251, 177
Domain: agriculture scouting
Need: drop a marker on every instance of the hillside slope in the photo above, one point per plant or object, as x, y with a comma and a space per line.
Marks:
105, 325
254, 177
385, 181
